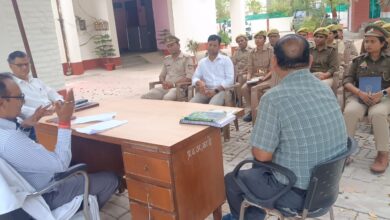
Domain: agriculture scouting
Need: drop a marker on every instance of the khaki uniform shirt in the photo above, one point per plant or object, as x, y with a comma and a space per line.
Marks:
364, 66
176, 69
347, 51
240, 60
325, 60
260, 60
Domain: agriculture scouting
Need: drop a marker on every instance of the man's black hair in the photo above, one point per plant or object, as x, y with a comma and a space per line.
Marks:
3, 87
292, 52
16, 54
214, 38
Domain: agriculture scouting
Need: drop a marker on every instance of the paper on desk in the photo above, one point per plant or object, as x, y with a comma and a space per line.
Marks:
91, 118
102, 126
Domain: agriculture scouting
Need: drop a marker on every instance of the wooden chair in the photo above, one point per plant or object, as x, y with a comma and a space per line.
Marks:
230, 100
179, 86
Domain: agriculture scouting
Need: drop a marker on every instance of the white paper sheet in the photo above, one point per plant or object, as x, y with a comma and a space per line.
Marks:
102, 126
92, 118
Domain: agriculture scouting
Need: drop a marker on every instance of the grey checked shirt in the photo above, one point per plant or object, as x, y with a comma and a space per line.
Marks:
301, 123
36, 164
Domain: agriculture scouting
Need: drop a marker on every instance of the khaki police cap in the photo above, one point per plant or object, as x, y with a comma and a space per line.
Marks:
339, 27
242, 35
321, 30
380, 23
273, 31
303, 29
261, 33
386, 27
375, 31
171, 39
332, 27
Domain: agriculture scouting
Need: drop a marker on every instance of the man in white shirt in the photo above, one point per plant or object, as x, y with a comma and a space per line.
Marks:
37, 94
215, 74
34, 162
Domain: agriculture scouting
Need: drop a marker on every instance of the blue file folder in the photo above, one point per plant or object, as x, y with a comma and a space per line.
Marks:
370, 84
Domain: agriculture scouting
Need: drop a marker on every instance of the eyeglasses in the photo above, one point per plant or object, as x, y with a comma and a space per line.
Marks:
21, 97
21, 65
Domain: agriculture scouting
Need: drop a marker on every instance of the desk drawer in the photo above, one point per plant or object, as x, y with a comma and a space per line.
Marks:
152, 168
149, 194
141, 212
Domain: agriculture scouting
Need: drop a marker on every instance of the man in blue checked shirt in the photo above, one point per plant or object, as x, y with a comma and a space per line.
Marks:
299, 125
34, 162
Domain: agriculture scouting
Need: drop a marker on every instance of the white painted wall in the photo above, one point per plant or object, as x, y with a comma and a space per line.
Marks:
92, 10
194, 20
38, 22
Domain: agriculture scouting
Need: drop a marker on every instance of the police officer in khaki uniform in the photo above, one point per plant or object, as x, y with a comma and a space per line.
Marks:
332, 37
346, 48
304, 32
177, 68
273, 36
259, 65
372, 63
240, 58
325, 58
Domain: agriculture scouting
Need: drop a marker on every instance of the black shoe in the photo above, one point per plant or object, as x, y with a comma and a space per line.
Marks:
248, 117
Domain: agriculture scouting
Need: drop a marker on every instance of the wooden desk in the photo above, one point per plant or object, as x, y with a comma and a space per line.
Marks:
172, 171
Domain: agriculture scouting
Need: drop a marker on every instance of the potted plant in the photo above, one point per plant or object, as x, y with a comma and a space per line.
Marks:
161, 40
193, 47
225, 39
104, 50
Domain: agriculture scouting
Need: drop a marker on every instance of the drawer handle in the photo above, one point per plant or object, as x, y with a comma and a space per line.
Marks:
146, 168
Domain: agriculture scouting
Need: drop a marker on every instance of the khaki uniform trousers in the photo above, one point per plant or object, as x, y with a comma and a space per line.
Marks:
217, 99
377, 116
328, 82
162, 94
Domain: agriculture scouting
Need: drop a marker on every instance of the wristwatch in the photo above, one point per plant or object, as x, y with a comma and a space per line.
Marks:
384, 93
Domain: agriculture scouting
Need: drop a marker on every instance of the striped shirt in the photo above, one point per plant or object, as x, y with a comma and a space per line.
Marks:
301, 123
36, 164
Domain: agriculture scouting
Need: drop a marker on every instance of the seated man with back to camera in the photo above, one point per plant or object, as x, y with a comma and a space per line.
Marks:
177, 68
38, 96
292, 130
214, 74
34, 162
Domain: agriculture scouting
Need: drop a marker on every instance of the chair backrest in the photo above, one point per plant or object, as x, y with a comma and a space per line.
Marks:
324, 182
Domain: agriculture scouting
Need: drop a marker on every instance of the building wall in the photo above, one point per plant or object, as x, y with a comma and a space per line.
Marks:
161, 18
90, 11
194, 20
38, 22
359, 12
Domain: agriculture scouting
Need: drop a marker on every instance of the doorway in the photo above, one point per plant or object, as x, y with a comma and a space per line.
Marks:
135, 25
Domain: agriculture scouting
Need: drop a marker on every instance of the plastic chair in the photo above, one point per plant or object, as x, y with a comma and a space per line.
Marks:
79, 169
321, 194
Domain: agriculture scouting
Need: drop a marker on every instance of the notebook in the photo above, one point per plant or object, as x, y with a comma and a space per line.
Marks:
214, 119
370, 84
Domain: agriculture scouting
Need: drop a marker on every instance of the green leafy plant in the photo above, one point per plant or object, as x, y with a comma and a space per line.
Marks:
104, 47
224, 37
192, 46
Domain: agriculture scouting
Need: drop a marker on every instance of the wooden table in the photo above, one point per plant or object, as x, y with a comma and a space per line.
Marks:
172, 171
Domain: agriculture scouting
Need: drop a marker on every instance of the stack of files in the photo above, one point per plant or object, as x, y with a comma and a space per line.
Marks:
217, 119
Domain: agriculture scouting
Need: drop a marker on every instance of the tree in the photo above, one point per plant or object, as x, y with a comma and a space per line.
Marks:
222, 7
254, 6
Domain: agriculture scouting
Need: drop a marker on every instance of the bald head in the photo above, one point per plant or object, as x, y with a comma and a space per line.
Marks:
292, 52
